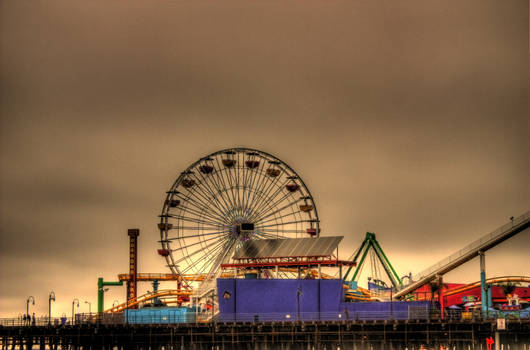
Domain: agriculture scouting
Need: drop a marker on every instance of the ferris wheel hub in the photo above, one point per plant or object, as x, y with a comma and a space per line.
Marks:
243, 230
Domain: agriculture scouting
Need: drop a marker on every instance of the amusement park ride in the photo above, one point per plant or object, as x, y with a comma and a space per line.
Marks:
245, 213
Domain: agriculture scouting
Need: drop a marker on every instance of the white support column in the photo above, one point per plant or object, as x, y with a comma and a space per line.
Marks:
497, 341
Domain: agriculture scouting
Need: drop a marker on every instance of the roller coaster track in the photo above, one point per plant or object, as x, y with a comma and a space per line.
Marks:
161, 277
149, 296
462, 256
490, 281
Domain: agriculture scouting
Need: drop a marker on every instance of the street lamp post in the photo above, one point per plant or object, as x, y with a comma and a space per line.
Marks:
73, 304
50, 299
298, 294
27, 305
89, 306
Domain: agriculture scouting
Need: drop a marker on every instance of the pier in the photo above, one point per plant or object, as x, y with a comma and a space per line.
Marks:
357, 335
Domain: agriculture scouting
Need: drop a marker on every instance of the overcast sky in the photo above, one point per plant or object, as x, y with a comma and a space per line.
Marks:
408, 119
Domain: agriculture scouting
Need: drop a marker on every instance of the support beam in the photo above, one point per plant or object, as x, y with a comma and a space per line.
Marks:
132, 286
101, 291
483, 290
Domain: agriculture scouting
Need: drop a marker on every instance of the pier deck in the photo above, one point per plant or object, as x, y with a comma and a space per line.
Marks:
356, 335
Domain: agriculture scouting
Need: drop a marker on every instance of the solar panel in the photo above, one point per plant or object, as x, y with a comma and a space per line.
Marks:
288, 247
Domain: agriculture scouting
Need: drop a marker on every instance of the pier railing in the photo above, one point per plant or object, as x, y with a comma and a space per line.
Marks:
413, 314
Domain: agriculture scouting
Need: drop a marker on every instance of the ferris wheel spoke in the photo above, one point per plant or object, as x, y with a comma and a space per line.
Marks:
264, 181
251, 176
211, 253
278, 217
194, 244
221, 175
242, 182
255, 175
275, 181
266, 235
276, 203
256, 183
219, 189
267, 210
201, 265
222, 186
231, 176
284, 223
231, 184
200, 213
212, 261
246, 189
287, 231
204, 206
210, 195
227, 250
250, 172
201, 188
195, 252
233, 181
187, 228
272, 184
237, 190
240, 186
209, 201
198, 221
195, 236
266, 201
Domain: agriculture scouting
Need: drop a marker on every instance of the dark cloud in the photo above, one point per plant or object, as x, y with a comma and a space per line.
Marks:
406, 119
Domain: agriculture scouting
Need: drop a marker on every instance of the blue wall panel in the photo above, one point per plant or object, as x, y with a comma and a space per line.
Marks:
277, 299
227, 296
331, 295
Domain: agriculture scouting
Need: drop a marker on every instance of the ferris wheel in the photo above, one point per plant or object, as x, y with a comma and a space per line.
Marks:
227, 198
